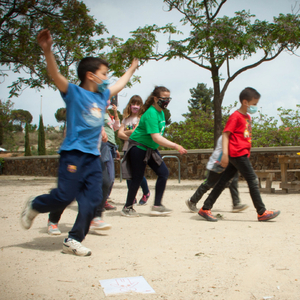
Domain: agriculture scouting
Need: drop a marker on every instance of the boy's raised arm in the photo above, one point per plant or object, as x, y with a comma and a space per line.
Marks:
120, 84
45, 41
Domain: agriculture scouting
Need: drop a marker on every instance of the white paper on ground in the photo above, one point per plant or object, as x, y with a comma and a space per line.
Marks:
126, 285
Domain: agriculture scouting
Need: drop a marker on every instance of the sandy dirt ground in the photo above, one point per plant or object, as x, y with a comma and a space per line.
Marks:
181, 256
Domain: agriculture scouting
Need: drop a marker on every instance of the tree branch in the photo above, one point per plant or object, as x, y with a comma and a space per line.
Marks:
182, 12
196, 63
220, 6
264, 59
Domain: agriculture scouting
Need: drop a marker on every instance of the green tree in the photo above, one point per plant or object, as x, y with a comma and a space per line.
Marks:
61, 116
41, 137
5, 119
167, 116
214, 42
20, 117
73, 31
201, 98
27, 141
28, 119
196, 131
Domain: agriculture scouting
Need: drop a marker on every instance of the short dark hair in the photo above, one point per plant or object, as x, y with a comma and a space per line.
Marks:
89, 64
248, 94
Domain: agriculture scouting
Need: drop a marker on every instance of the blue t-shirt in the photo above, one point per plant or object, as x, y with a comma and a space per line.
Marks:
85, 118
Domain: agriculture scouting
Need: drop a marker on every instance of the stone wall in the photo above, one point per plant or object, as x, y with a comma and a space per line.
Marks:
192, 165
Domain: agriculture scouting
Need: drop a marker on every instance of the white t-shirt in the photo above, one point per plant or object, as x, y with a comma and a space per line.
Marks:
129, 124
215, 155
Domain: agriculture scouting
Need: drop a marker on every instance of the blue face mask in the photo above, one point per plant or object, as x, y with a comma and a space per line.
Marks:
252, 109
103, 85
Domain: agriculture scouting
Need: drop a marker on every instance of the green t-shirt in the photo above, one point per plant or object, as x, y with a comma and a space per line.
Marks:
152, 121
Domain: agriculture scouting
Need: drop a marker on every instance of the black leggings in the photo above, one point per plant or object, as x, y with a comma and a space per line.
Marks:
138, 167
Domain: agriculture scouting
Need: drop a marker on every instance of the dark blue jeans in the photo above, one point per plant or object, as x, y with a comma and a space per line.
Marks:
243, 165
80, 178
54, 216
209, 182
138, 167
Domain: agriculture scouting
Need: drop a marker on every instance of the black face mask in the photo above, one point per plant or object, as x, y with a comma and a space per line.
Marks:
163, 102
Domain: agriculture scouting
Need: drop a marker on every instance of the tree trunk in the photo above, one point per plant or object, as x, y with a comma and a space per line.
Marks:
218, 99
1, 135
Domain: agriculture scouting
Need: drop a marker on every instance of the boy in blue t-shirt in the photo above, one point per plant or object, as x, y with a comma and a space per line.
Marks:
79, 174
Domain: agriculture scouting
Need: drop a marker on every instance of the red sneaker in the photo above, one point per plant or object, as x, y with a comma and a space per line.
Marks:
207, 215
108, 206
268, 215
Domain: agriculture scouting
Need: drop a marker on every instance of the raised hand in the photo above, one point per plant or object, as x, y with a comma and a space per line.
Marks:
44, 39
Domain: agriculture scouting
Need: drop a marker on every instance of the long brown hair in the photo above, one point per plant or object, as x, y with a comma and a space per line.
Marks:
155, 93
134, 100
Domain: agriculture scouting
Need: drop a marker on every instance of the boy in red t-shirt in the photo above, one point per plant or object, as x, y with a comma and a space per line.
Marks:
236, 151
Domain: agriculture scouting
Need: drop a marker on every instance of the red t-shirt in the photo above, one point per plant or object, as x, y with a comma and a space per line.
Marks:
239, 125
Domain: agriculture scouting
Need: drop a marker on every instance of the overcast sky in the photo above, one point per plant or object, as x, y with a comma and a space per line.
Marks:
277, 81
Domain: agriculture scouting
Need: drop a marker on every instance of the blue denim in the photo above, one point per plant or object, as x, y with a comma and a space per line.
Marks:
80, 178
243, 165
138, 167
54, 216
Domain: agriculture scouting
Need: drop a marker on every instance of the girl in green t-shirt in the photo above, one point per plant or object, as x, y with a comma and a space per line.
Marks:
144, 141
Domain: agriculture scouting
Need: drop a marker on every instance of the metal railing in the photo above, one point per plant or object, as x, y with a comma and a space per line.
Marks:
173, 156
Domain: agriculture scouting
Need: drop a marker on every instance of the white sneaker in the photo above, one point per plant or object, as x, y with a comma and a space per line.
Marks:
160, 210
53, 228
191, 205
74, 247
28, 214
98, 224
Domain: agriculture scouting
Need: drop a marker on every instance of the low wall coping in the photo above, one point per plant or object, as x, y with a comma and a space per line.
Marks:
165, 152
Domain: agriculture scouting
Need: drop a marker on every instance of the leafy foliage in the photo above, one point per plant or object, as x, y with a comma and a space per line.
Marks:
20, 116
202, 98
61, 116
266, 132
214, 42
72, 28
197, 130
27, 142
5, 120
167, 116
41, 138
